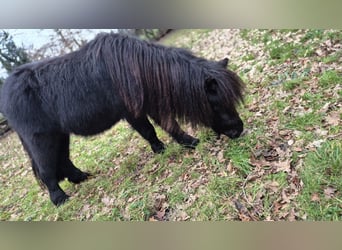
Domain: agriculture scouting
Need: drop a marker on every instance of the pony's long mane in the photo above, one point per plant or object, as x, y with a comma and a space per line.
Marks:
164, 81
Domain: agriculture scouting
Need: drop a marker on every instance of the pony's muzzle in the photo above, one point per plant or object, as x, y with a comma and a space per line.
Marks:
236, 131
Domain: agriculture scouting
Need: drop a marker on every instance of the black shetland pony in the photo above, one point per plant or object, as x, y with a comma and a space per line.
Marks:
115, 77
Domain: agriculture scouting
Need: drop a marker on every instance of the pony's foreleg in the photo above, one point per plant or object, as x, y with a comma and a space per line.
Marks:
66, 167
173, 128
182, 137
146, 130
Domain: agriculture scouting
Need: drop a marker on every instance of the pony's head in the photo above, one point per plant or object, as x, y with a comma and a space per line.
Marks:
225, 118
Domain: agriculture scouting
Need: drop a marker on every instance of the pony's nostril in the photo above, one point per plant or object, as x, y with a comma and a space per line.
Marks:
234, 134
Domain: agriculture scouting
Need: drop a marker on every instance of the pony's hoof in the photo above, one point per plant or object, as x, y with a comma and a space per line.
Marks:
80, 177
193, 144
60, 199
158, 148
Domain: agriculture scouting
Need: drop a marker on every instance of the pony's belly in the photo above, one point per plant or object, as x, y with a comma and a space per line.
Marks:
93, 126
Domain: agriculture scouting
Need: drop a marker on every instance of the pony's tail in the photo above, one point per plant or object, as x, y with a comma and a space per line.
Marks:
37, 176
33, 165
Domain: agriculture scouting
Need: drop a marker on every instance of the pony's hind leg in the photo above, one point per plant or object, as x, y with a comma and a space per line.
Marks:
45, 156
146, 130
173, 128
67, 168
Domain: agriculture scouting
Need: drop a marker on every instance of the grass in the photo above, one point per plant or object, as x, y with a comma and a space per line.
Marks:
321, 172
330, 78
291, 84
286, 167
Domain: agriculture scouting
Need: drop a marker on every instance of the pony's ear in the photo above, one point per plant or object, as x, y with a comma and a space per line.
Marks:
211, 87
224, 62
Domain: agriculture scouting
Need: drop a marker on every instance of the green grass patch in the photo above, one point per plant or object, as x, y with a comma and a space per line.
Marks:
280, 51
249, 57
190, 37
312, 35
330, 78
239, 153
302, 121
224, 187
291, 84
279, 105
322, 178
176, 196
335, 57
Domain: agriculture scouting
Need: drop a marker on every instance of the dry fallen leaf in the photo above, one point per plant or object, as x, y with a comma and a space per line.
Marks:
285, 197
333, 118
220, 156
325, 108
160, 214
315, 197
277, 206
316, 144
271, 154
282, 166
290, 142
272, 185
329, 192
321, 132
152, 219
243, 211
183, 216
230, 167
107, 201
292, 215
160, 201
